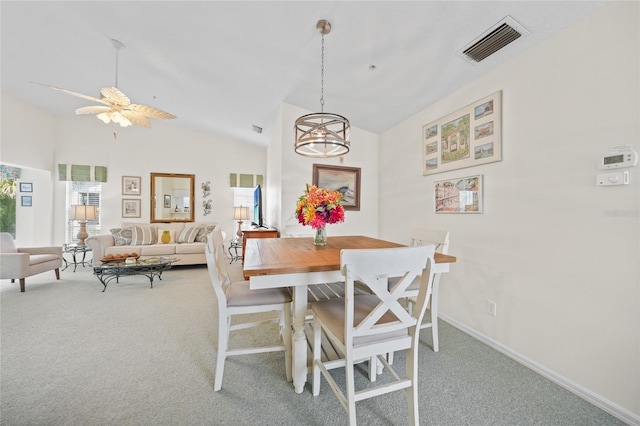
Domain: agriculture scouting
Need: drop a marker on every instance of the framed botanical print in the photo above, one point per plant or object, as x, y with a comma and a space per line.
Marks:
345, 180
130, 207
131, 185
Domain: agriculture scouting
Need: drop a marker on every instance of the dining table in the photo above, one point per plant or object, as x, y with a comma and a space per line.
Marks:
298, 263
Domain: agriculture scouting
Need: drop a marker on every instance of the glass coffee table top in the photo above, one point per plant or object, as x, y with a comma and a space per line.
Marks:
151, 267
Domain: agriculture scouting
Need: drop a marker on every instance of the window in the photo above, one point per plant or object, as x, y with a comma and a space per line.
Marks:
79, 193
244, 197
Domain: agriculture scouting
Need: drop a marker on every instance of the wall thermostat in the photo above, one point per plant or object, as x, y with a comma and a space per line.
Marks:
619, 157
611, 179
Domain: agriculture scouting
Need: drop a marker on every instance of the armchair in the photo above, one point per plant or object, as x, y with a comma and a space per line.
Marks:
19, 263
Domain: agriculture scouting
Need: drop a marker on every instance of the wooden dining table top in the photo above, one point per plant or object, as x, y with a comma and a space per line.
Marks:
270, 256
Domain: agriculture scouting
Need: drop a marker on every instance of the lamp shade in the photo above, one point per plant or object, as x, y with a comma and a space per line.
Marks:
241, 213
84, 212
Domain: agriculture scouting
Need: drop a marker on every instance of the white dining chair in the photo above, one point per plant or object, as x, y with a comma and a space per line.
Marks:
238, 299
439, 238
368, 325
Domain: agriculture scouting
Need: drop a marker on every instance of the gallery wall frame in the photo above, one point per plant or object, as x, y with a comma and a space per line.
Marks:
131, 185
345, 180
459, 195
26, 201
26, 187
468, 137
167, 201
131, 207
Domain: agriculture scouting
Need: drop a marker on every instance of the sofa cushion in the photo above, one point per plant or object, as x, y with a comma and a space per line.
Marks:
190, 248
121, 236
159, 250
143, 235
204, 231
189, 234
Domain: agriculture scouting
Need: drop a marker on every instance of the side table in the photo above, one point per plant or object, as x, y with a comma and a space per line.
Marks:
74, 249
235, 244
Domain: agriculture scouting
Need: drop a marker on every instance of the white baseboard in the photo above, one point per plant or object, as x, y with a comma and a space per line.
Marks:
592, 397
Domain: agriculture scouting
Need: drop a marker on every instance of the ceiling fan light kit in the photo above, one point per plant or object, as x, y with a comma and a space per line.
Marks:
117, 107
322, 134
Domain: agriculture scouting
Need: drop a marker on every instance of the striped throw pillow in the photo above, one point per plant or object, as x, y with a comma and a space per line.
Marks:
189, 234
143, 235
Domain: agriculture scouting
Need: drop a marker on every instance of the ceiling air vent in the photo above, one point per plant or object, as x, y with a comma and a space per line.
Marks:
500, 35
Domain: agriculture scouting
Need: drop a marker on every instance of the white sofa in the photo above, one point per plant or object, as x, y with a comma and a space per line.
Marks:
187, 242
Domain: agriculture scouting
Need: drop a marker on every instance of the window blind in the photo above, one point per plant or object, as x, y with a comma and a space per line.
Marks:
78, 173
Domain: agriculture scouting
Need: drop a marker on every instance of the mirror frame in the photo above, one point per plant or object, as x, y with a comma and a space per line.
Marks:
192, 179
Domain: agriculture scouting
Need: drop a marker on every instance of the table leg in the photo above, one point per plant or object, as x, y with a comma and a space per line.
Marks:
299, 345
75, 262
66, 264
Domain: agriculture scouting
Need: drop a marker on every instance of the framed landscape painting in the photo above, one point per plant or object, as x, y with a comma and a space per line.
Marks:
345, 180
468, 137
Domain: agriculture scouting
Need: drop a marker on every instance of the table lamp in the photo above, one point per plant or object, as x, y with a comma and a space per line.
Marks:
83, 214
240, 213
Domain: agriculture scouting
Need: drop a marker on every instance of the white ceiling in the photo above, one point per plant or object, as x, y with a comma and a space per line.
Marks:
223, 66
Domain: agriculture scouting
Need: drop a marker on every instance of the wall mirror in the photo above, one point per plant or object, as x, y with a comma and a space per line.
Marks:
172, 197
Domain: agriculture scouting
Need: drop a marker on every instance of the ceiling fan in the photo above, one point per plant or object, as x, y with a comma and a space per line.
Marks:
116, 106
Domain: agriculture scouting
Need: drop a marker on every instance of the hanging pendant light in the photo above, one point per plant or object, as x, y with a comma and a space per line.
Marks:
322, 134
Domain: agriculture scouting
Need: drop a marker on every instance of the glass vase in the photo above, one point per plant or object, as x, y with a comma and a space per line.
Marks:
321, 237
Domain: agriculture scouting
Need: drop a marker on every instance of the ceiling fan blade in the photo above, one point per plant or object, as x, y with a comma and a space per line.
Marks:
95, 109
136, 118
115, 96
79, 95
151, 112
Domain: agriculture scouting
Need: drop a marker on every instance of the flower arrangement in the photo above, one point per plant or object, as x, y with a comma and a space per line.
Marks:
318, 207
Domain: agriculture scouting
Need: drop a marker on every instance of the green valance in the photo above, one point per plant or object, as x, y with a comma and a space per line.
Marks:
76, 173
239, 180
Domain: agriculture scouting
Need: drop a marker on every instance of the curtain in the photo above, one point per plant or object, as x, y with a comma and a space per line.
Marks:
238, 180
76, 173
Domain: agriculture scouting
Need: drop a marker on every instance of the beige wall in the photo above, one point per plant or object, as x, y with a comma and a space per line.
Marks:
549, 248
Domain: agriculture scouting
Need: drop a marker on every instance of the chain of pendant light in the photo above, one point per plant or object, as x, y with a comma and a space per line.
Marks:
322, 73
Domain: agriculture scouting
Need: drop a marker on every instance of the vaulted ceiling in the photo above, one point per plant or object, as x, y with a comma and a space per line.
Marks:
224, 66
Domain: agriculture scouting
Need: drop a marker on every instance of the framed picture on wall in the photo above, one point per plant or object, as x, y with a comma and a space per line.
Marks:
26, 187
459, 195
167, 201
467, 137
130, 207
26, 201
345, 180
131, 185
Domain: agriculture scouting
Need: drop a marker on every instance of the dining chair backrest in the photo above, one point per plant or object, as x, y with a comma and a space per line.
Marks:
217, 271
421, 235
373, 268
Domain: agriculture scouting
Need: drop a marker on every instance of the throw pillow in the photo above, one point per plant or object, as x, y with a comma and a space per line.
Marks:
143, 235
204, 231
189, 234
122, 236
165, 236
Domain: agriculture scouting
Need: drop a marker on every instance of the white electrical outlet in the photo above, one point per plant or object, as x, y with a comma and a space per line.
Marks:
492, 308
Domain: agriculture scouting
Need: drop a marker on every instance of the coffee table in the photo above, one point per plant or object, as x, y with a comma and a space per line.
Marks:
150, 268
